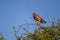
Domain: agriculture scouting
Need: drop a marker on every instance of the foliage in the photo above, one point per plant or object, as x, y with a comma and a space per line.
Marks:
2, 37
44, 33
51, 32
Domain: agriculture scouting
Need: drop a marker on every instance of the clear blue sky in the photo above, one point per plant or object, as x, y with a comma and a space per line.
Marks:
16, 12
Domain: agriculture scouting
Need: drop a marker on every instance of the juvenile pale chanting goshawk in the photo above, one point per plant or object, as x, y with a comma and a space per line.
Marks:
38, 18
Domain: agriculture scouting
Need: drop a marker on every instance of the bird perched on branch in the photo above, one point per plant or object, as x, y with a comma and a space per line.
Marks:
38, 18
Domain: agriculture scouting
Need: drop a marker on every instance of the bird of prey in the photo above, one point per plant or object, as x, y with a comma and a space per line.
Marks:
38, 18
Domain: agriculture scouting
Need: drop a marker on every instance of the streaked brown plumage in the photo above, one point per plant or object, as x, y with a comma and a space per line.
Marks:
38, 18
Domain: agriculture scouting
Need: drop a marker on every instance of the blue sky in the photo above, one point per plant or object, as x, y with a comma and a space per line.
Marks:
17, 12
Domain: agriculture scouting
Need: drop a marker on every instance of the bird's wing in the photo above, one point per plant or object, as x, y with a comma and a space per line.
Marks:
37, 17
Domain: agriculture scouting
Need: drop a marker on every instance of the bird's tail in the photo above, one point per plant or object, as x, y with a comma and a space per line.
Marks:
44, 21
